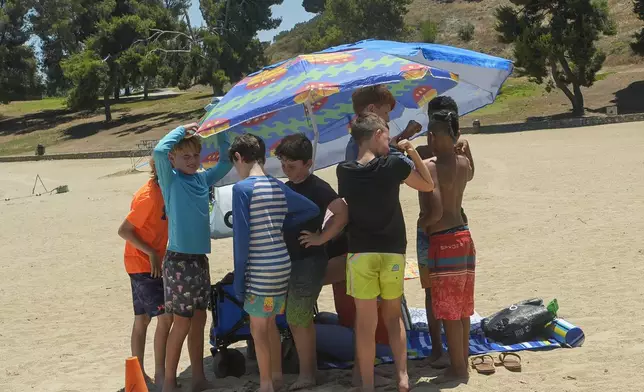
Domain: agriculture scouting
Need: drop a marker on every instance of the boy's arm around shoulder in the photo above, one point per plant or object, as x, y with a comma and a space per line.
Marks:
241, 235
160, 154
300, 209
432, 200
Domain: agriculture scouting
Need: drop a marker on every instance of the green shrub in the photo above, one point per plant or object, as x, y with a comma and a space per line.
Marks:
428, 31
466, 32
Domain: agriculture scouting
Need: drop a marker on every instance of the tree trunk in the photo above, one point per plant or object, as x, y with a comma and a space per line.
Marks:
106, 103
117, 89
214, 91
578, 102
146, 84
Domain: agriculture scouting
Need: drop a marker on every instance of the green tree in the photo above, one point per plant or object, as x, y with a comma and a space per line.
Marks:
638, 44
345, 21
88, 74
355, 18
314, 6
466, 32
18, 66
236, 23
555, 41
63, 26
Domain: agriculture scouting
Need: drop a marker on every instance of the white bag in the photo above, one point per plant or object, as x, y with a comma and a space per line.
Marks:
221, 216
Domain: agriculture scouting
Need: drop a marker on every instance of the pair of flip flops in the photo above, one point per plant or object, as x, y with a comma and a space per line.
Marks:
485, 364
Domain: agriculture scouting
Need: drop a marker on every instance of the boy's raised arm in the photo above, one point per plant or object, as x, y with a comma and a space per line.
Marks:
419, 179
300, 209
219, 171
463, 148
161, 151
241, 236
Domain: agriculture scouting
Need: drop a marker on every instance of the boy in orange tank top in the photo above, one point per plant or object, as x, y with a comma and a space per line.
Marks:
145, 230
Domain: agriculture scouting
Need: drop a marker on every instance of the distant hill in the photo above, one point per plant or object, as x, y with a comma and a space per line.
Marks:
451, 15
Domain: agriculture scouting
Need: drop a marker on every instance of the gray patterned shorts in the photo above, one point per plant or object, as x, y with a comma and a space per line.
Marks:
186, 279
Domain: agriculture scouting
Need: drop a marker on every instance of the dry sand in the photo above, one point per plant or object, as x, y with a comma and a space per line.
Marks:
556, 213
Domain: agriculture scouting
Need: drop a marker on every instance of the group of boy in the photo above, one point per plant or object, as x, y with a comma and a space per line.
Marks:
285, 250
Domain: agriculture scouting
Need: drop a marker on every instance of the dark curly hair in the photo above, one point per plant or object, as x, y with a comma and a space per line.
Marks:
295, 147
444, 102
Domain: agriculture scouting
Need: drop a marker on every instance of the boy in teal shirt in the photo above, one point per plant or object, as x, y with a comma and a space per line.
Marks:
186, 273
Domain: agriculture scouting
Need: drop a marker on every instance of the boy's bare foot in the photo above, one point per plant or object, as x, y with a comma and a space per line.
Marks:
452, 376
403, 383
278, 383
441, 362
201, 385
303, 382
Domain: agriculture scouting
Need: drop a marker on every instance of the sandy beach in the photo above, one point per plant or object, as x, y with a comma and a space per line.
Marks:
554, 214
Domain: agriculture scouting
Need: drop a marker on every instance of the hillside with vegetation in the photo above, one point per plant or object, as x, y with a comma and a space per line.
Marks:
469, 25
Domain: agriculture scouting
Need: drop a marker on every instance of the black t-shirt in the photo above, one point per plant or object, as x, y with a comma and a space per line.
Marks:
376, 222
320, 193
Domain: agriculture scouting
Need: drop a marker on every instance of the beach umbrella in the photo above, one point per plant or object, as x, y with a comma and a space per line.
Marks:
312, 94
480, 75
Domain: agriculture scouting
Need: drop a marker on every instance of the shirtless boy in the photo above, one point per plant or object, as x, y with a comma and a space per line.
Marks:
437, 359
451, 255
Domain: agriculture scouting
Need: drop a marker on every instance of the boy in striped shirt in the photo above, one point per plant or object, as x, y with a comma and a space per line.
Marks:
262, 207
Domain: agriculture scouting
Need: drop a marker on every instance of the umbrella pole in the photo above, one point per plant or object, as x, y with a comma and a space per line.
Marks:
316, 133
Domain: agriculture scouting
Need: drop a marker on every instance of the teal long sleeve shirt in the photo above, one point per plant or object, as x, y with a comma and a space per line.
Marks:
186, 197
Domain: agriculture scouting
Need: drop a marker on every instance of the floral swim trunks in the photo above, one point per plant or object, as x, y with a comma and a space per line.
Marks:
264, 307
186, 279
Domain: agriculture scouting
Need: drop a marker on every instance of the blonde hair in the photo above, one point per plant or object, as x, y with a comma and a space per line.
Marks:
187, 144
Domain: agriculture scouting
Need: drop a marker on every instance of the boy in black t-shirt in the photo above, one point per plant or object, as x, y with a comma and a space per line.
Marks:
370, 186
305, 247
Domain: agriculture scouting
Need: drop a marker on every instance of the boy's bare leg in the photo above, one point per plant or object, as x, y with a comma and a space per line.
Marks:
164, 323
259, 327
458, 367
466, 341
366, 324
306, 351
195, 349
397, 339
336, 270
275, 343
178, 333
438, 359
137, 341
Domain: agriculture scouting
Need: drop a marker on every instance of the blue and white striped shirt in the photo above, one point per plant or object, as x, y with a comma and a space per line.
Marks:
262, 208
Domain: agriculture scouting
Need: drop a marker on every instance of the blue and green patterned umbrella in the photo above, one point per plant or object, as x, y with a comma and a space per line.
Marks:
312, 94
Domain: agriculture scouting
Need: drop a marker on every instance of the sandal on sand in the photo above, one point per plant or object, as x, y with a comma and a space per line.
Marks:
483, 364
511, 361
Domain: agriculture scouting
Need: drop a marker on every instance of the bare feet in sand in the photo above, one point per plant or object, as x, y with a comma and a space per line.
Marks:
201, 385
451, 376
403, 383
303, 382
441, 362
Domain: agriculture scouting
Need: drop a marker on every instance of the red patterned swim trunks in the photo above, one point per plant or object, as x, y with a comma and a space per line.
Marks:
452, 260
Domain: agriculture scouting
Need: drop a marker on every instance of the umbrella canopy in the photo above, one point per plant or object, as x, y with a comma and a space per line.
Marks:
480, 75
312, 94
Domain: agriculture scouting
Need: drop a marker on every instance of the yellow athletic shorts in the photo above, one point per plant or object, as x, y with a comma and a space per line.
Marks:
370, 275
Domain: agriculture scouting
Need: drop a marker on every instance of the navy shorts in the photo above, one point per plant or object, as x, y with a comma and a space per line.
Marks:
147, 295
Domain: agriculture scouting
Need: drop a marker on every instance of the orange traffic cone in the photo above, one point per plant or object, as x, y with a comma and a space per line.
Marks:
134, 380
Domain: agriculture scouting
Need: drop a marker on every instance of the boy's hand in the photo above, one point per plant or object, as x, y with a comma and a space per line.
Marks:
462, 147
155, 265
413, 127
309, 239
191, 129
405, 145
